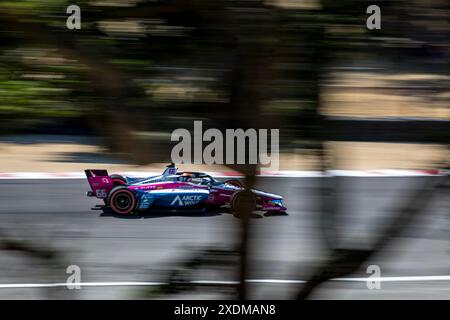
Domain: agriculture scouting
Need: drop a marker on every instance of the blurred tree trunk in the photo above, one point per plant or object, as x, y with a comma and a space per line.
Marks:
251, 26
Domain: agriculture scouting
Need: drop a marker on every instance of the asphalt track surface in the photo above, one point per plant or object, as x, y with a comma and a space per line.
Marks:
57, 214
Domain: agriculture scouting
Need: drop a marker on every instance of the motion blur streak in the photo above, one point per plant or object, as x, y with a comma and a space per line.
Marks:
345, 99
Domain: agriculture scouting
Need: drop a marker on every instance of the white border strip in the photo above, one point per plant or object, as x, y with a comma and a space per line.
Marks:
224, 174
397, 279
215, 282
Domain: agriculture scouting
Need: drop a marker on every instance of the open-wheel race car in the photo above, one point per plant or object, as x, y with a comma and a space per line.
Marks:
176, 191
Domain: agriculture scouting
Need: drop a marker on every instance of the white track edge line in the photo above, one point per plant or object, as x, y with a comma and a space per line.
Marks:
215, 282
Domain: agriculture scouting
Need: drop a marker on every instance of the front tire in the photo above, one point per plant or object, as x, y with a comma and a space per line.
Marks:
243, 201
122, 200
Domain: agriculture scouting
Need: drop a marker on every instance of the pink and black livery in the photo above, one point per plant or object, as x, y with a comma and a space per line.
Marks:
175, 191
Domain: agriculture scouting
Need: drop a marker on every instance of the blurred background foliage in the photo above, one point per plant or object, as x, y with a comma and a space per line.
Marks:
148, 67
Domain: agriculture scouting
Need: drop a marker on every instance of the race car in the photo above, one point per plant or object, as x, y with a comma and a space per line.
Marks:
176, 191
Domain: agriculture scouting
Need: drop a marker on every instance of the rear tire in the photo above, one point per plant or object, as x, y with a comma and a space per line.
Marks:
122, 200
118, 180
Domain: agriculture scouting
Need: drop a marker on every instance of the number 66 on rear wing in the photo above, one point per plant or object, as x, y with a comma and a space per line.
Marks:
100, 182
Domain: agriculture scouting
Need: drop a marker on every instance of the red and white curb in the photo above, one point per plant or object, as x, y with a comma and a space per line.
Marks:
226, 174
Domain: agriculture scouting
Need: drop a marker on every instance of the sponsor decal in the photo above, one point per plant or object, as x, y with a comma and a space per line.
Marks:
187, 200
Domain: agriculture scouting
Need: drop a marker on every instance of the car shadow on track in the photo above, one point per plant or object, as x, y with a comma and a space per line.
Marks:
162, 214
275, 214
158, 214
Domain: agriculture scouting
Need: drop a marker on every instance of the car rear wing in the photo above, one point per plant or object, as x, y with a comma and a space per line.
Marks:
101, 183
